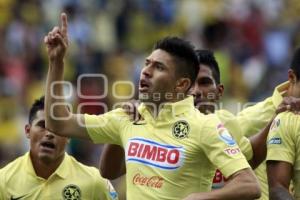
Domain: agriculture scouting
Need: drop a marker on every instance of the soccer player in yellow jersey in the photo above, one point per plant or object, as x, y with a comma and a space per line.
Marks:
207, 90
283, 157
171, 153
47, 172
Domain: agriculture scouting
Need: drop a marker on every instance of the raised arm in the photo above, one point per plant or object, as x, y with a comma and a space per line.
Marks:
242, 185
258, 141
279, 177
259, 147
59, 119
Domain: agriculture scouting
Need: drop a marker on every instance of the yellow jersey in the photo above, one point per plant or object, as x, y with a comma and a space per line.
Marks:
71, 180
284, 144
172, 155
254, 118
230, 122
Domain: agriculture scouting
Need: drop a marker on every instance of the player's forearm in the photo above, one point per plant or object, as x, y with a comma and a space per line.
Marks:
112, 161
279, 193
259, 147
243, 185
55, 108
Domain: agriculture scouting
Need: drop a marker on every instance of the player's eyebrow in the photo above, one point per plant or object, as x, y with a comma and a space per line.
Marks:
155, 62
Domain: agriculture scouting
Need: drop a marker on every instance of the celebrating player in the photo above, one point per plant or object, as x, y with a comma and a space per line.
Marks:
172, 151
283, 157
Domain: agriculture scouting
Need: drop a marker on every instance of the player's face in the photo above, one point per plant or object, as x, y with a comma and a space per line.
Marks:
158, 78
44, 145
295, 89
205, 90
294, 84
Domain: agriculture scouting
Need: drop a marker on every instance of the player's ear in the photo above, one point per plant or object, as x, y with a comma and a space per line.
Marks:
292, 76
220, 88
183, 84
27, 130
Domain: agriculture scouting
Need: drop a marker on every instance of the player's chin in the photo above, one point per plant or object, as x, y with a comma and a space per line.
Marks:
47, 157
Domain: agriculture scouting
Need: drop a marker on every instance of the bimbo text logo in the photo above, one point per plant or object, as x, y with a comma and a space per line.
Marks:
154, 154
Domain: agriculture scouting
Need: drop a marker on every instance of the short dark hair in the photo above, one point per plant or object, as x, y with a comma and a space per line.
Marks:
38, 104
206, 57
295, 64
183, 51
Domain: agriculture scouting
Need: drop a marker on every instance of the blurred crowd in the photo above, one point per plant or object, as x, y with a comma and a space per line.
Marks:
252, 40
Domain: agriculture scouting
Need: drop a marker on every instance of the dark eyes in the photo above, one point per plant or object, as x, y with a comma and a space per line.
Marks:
41, 124
205, 81
157, 65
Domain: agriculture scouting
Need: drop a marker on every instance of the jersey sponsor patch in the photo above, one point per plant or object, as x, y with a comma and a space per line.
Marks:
112, 193
232, 151
148, 181
154, 154
275, 140
225, 136
219, 180
71, 192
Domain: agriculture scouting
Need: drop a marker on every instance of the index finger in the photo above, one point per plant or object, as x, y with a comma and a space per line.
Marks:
64, 23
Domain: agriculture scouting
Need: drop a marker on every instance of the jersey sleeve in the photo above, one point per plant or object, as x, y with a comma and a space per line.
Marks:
104, 190
253, 118
280, 144
246, 148
106, 128
220, 147
231, 123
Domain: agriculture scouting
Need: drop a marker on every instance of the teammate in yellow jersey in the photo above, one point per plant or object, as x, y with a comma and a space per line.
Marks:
47, 171
251, 120
172, 151
283, 157
207, 91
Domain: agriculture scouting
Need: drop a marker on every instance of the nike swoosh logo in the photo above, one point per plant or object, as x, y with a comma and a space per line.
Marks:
139, 123
16, 198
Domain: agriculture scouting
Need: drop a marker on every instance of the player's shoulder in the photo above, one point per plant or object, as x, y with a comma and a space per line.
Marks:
87, 171
288, 116
209, 121
13, 168
91, 177
224, 114
287, 119
198, 119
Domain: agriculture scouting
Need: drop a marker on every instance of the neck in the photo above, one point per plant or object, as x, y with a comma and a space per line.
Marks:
44, 168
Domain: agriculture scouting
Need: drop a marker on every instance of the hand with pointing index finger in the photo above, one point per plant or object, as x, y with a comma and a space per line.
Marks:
57, 40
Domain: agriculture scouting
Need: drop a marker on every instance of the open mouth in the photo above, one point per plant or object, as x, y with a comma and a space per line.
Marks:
144, 85
48, 145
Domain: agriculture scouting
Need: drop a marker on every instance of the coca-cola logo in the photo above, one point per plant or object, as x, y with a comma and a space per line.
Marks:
152, 181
